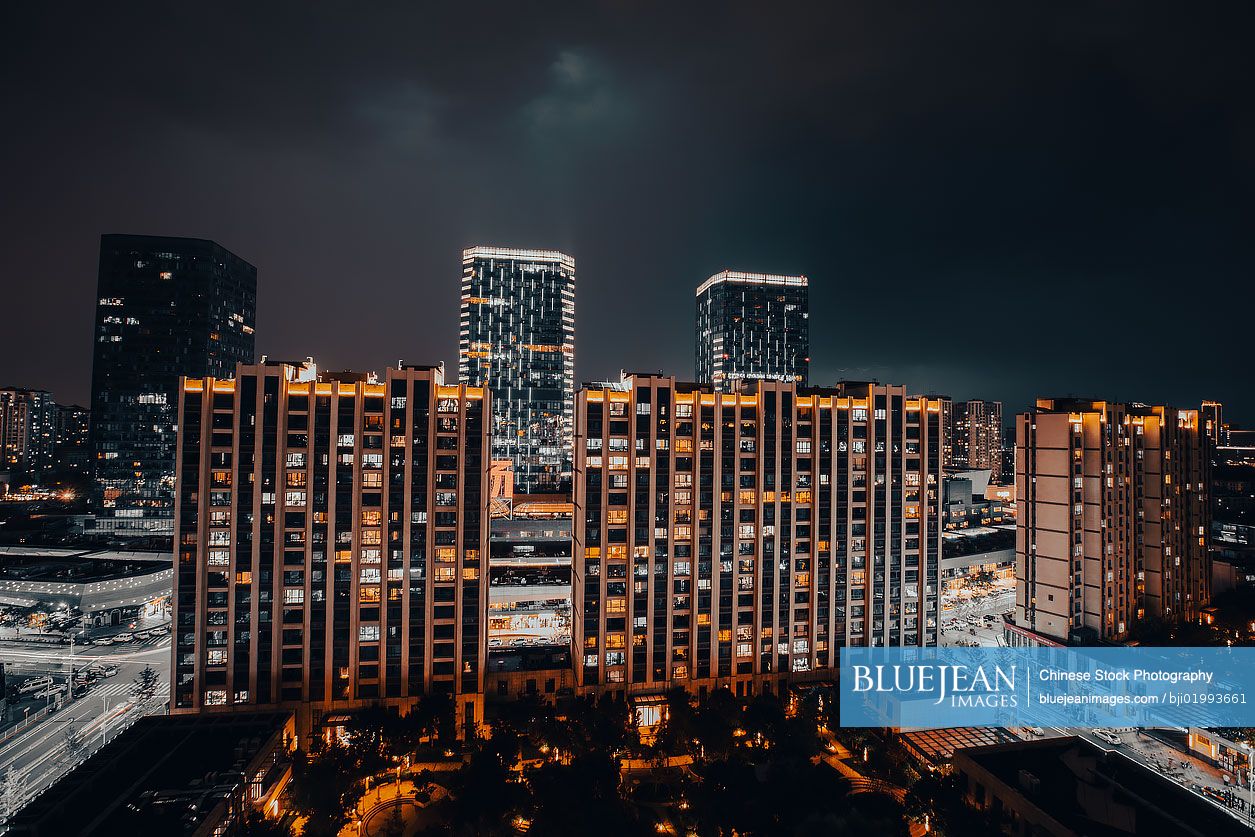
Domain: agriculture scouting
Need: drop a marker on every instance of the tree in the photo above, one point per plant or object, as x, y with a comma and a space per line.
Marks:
485, 797
12, 793
568, 798
433, 715
943, 799
255, 824
75, 744
144, 687
325, 786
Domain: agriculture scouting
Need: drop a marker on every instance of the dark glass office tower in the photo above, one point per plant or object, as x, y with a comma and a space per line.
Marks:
518, 340
752, 326
165, 307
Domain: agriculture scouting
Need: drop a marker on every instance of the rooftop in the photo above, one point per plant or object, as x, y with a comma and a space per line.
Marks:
1095, 792
164, 775
488, 252
82, 567
742, 278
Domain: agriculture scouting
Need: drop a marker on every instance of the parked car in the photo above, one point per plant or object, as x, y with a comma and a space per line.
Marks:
34, 684
50, 692
1108, 736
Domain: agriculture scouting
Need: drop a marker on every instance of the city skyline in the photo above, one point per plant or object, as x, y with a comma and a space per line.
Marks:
1023, 177
1237, 410
886, 467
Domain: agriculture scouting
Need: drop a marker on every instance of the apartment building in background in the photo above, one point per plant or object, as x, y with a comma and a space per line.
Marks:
1113, 518
332, 541
517, 339
977, 436
28, 432
946, 407
165, 307
741, 539
1212, 416
752, 327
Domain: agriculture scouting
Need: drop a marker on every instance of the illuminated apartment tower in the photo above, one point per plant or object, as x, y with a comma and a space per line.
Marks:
331, 540
977, 435
946, 407
740, 539
1212, 415
28, 432
518, 341
165, 307
752, 326
1113, 518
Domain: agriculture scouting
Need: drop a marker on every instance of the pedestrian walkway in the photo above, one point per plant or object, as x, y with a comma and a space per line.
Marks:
108, 690
836, 759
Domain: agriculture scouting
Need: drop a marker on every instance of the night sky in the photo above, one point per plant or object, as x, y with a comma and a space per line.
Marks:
997, 200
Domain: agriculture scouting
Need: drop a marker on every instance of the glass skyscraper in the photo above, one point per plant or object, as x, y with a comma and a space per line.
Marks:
518, 340
752, 326
166, 307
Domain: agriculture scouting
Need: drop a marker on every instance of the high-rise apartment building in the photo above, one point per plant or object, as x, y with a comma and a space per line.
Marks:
28, 432
166, 307
518, 341
946, 408
1212, 415
331, 541
977, 436
752, 326
740, 539
1113, 518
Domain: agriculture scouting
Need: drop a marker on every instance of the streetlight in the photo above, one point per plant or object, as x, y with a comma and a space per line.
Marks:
1250, 782
71, 668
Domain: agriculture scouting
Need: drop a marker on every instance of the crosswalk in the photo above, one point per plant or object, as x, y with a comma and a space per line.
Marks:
120, 687
135, 643
110, 689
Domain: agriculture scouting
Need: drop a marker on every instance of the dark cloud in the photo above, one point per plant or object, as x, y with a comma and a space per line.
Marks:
991, 199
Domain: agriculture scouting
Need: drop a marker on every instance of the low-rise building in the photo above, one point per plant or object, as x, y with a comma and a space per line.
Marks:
1068, 787
180, 776
105, 587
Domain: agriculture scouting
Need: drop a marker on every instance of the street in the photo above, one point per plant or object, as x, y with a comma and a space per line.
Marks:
41, 746
963, 616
